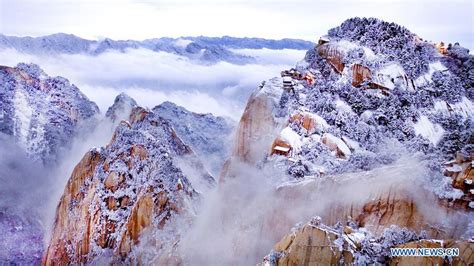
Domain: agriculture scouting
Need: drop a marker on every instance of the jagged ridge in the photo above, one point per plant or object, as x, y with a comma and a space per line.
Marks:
120, 190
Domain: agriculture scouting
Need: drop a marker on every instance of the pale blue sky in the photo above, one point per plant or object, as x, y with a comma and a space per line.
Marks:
449, 20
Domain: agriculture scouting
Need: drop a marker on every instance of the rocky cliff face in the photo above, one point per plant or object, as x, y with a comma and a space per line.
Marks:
117, 192
376, 200
258, 122
257, 127
311, 245
460, 171
40, 112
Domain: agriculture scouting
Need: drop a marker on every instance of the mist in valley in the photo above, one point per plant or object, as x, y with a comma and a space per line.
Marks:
239, 221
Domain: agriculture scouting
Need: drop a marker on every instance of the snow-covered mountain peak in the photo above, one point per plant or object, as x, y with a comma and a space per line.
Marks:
121, 108
40, 112
207, 134
355, 105
365, 89
32, 70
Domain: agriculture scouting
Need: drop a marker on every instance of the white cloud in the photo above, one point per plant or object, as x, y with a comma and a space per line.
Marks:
241, 221
269, 56
153, 77
195, 101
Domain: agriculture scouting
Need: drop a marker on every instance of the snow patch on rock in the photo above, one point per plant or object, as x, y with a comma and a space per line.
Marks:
182, 42
389, 74
425, 79
23, 114
425, 128
291, 137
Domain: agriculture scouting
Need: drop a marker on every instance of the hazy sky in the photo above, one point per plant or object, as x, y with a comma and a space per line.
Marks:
448, 20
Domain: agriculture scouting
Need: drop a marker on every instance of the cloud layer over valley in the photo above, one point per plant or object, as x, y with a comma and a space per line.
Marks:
153, 77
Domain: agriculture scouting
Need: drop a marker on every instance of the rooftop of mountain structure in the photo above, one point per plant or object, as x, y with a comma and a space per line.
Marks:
207, 134
39, 111
120, 110
131, 185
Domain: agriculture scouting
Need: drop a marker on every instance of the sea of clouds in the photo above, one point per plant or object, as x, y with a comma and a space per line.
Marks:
153, 77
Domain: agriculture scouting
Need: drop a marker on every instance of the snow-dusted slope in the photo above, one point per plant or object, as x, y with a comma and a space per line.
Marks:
131, 185
21, 241
434, 119
39, 117
378, 112
42, 113
208, 135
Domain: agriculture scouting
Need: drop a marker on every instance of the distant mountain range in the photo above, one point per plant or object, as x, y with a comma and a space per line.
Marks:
206, 49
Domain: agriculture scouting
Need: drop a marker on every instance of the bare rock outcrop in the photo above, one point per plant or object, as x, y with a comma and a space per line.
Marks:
257, 123
461, 171
257, 127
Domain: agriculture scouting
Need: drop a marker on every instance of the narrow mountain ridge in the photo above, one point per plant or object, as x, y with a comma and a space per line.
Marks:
118, 191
